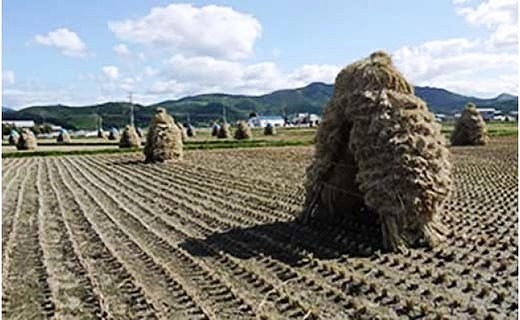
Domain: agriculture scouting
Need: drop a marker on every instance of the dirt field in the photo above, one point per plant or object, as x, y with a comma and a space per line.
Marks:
212, 238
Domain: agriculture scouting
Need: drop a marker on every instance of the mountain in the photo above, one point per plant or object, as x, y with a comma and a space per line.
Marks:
206, 108
444, 101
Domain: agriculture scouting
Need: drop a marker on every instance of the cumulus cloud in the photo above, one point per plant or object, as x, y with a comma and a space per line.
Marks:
485, 66
8, 77
121, 50
68, 42
150, 71
424, 62
499, 16
189, 75
25, 96
315, 73
211, 30
460, 65
111, 72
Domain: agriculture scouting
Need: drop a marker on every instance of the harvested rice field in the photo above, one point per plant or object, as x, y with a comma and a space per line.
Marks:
109, 237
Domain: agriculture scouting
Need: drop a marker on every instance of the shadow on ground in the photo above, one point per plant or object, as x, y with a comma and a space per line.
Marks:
290, 241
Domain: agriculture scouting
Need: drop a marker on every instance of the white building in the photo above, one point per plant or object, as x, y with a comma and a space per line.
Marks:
262, 121
488, 113
304, 118
19, 123
440, 117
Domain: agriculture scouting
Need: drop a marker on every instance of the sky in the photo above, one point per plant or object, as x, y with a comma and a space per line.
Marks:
87, 52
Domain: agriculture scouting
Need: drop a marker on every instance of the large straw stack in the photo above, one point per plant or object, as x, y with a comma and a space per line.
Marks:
129, 138
63, 137
379, 147
243, 131
470, 129
164, 140
223, 131
27, 140
215, 128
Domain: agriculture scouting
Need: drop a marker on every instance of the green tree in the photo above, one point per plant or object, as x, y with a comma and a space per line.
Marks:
36, 129
6, 129
46, 128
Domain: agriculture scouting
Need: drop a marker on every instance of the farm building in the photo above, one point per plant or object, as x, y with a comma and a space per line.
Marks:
262, 121
487, 114
491, 114
440, 117
301, 118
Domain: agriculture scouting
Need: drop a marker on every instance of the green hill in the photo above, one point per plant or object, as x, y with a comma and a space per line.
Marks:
206, 108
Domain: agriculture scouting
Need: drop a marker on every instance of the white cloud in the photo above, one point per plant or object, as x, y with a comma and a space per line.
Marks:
65, 40
216, 31
483, 86
111, 72
315, 73
422, 63
39, 96
483, 67
121, 50
8, 77
499, 16
150, 71
460, 65
129, 83
193, 75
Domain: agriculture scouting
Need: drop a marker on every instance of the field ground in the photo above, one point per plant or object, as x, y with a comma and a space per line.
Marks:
212, 237
203, 140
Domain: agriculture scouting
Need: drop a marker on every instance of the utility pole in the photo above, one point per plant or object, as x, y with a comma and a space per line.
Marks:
224, 113
131, 109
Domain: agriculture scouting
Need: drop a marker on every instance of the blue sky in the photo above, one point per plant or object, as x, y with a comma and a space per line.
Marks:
85, 52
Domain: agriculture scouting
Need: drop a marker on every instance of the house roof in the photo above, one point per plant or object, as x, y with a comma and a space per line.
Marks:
268, 118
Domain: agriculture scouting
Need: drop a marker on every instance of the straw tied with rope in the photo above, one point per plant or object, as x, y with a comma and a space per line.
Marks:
380, 148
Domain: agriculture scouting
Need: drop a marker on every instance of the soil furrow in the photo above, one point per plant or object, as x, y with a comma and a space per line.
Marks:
387, 271
26, 293
280, 276
121, 297
128, 228
72, 290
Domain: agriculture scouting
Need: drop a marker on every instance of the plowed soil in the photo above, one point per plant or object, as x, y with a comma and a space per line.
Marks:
213, 237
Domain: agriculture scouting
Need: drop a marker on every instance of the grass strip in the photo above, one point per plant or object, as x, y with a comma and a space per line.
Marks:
206, 145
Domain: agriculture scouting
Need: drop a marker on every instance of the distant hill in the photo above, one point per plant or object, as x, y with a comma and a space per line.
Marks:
206, 108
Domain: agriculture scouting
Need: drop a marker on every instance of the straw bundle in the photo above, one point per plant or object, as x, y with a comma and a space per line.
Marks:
191, 131
243, 131
113, 134
378, 146
470, 129
184, 134
215, 128
223, 131
164, 141
27, 140
129, 138
63, 137
269, 130
13, 137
